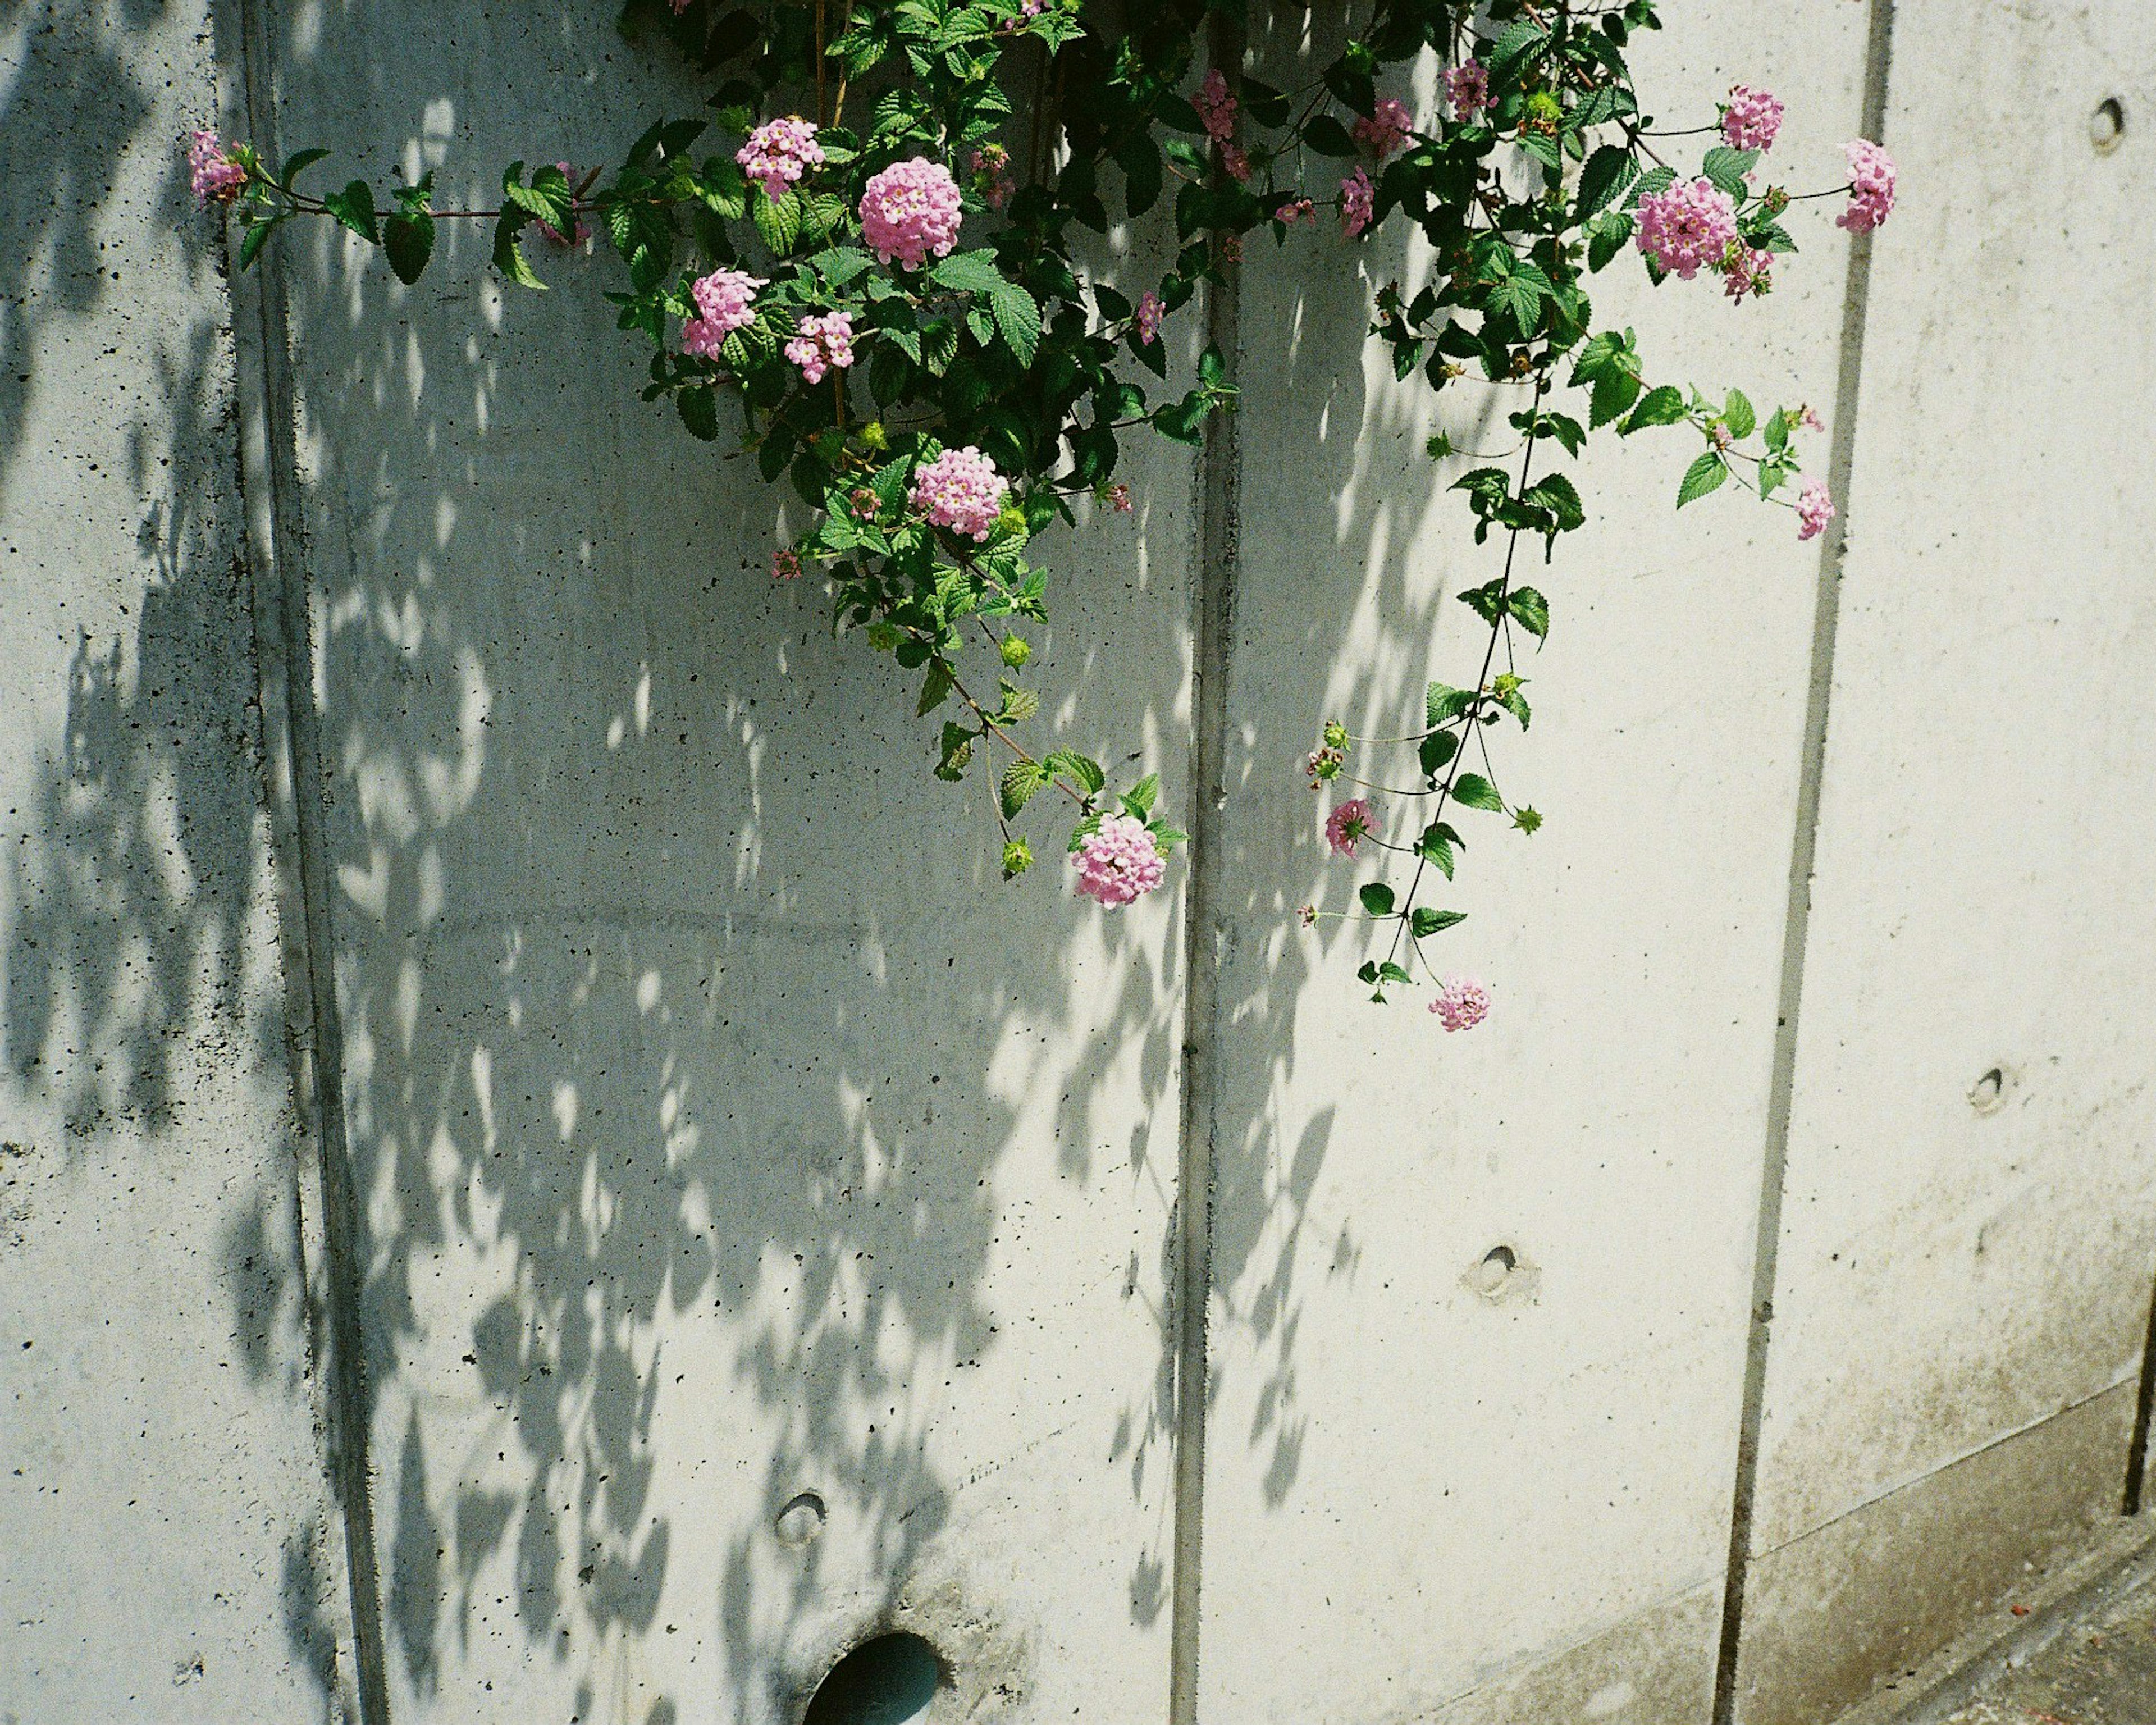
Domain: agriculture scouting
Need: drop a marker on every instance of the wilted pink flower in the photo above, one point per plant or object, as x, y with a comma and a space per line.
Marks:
864, 504
1296, 209
822, 344
1236, 160
961, 490
1356, 197
1147, 316
910, 212
1462, 1004
1691, 223
1383, 132
1231, 247
1750, 118
1119, 498
1349, 824
1118, 861
724, 302
1467, 87
1307, 915
1872, 187
1216, 108
992, 175
583, 227
1814, 510
213, 170
778, 151
786, 565
1746, 269
1808, 419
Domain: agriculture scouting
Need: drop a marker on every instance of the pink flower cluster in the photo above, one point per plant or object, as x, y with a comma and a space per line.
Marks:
1691, 223
1148, 317
1296, 209
1872, 187
1118, 861
1357, 195
992, 175
1814, 510
961, 490
1462, 1004
1746, 271
910, 212
1236, 160
213, 171
724, 302
786, 565
1216, 108
1383, 132
1751, 119
1349, 824
1467, 88
778, 152
821, 344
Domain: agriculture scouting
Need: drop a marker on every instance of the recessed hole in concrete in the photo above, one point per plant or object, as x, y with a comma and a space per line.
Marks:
800, 1520
888, 1679
2107, 125
1497, 1263
1987, 1095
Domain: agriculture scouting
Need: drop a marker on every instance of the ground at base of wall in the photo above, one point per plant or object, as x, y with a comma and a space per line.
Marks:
2098, 1670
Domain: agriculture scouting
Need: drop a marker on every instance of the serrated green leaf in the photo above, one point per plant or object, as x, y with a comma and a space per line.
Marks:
1438, 845
699, 410
778, 220
1018, 320
935, 687
407, 238
1705, 474
509, 256
1435, 753
1426, 921
1472, 791
1662, 405
957, 752
1376, 898
968, 273
1139, 797
1021, 780
354, 208
1739, 414
1608, 172
1530, 610
1443, 703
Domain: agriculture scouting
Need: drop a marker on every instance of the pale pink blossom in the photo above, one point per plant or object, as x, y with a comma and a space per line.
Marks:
1236, 160
910, 213
1349, 824
724, 302
786, 565
1871, 190
1467, 88
1814, 510
962, 491
992, 175
1751, 118
1357, 198
1746, 269
821, 344
1119, 498
1295, 210
778, 152
1384, 131
213, 170
1147, 316
1808, 419
1462, 1004
1216, 108
1118, 861
1692, 223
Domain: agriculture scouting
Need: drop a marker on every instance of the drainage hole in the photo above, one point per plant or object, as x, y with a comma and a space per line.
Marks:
2107, 125
888, 1679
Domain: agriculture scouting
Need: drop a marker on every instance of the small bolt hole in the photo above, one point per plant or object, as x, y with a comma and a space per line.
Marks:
888, 1679
800, 1520
1498, 1263
2107, 125
1987, 1095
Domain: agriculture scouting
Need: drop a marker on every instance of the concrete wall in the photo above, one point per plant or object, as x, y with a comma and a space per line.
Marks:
494, 1117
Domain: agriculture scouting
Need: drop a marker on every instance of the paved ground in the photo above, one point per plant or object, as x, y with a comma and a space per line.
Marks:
2099, 1671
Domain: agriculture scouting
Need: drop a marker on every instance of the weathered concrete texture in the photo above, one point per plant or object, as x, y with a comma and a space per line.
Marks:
2098, 1669
161, 1507
725, 1131
1969, 1183
1416, 1492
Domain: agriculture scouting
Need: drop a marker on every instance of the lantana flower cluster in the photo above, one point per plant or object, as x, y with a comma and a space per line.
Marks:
910, 213
778, 152
962, 491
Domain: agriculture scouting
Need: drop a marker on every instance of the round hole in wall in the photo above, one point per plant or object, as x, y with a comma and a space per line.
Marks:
801, 1520
2107, 125
888, 1679
1497, 1263
1987, 1095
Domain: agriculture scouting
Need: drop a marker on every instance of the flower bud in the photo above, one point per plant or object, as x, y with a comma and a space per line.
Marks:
1336, 735
872, 435
1017, 858
1015, 650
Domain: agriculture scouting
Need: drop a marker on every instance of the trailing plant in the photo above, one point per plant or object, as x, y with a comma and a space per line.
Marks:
889, 304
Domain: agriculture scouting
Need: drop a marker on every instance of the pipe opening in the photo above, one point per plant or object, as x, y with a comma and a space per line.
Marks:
888, 1679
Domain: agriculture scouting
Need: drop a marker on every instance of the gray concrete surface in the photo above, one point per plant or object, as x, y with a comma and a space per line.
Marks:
762, 1226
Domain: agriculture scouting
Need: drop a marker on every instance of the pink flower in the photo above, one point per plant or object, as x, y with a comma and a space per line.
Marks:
1356, 197
1296, 209
1691, 223
724, 303
992, 175
1349, 824
778, 151
1119, 498
961, 490
1307, 915
583, 227
1750, 118
786, 565
1467, 88
213, 170
1872, 187
1148, 317
1746, 270
1236, 160
1383, 132
1118, 861
1814, 510
1216, 108
1462, 1004
1231, 247
910, 213
1808, 419
822, 344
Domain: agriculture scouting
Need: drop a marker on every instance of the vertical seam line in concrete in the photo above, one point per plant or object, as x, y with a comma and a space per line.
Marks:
350, 1467
2144, 1403
1826, 619
1212, 610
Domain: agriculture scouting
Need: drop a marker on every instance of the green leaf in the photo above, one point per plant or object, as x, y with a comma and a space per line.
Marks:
1426, 921
408, 239
1021, 779
1472, 791
968, 273
1704, 476
1608, 172
1376, 898
1778, 431
778, 220
1557, 494
957, 752
1663, 405
699, 410
1727, 168
1606, 235
1438, 844
1327, 137
1530, 610
1739, 413
354, 208
509, 256
1084, 770
1140, 161
1018, 320
1614, 393
1140, 797
254, 238
1443, 703
297, 164
1435, 753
